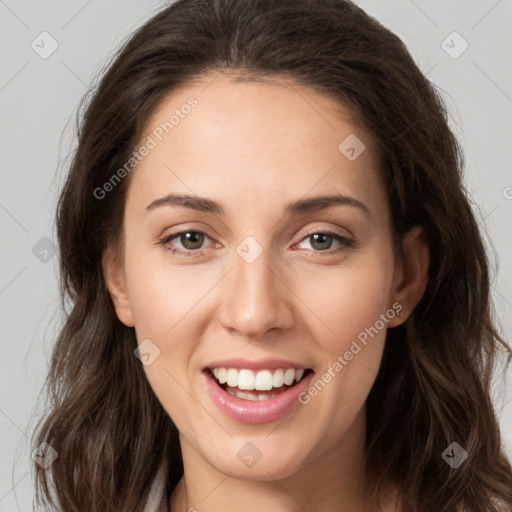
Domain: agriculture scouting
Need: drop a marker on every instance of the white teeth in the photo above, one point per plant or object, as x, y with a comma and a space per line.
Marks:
250, 396
278, 378
246, 379
247, 396
289, 375
232, 377
263, 380
221, 374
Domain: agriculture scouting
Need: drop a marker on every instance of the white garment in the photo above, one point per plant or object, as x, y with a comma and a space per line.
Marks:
157, 502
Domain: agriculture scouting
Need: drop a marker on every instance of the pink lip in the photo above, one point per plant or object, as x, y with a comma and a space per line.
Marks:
246, 411
270, 364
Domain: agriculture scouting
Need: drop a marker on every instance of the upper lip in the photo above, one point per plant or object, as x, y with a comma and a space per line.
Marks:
261, 364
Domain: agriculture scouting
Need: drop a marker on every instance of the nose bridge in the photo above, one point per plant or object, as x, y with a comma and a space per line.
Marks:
254, 300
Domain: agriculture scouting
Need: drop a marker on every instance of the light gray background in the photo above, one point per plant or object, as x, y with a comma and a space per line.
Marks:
38, 98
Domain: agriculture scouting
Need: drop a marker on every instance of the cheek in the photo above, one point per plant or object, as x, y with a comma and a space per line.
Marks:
161, 295
351, 335
166, 302
350, 302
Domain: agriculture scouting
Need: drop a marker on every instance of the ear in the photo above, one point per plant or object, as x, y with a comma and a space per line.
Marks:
116, 283
411, 277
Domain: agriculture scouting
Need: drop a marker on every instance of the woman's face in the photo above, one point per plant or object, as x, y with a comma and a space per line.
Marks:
266, 279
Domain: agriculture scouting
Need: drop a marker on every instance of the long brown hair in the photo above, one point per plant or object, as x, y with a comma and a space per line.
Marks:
108, 428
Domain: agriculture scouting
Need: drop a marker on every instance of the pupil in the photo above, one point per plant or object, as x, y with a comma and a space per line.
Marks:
192, 240
321, 236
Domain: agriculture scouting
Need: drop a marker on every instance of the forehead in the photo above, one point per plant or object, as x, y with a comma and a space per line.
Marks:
252, 139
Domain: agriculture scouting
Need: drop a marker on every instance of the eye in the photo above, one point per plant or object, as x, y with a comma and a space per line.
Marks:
321, 241
190, 241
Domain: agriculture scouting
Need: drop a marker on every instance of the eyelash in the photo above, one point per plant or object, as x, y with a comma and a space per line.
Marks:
344, 243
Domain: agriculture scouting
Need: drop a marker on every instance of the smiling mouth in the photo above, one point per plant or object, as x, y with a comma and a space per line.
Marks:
263, 385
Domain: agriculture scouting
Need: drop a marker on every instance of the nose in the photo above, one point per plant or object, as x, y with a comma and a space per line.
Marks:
255, 297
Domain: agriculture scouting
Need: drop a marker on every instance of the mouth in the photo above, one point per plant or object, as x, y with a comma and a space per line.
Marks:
249, 385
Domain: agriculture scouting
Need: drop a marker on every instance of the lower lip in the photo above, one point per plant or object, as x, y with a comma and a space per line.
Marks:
262, 411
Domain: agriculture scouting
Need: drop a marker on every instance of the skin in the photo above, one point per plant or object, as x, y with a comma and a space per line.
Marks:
254, 147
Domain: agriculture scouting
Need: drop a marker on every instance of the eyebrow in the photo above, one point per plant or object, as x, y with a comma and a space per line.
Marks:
313, 204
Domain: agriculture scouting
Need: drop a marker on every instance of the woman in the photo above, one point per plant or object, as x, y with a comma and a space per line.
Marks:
280, 296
